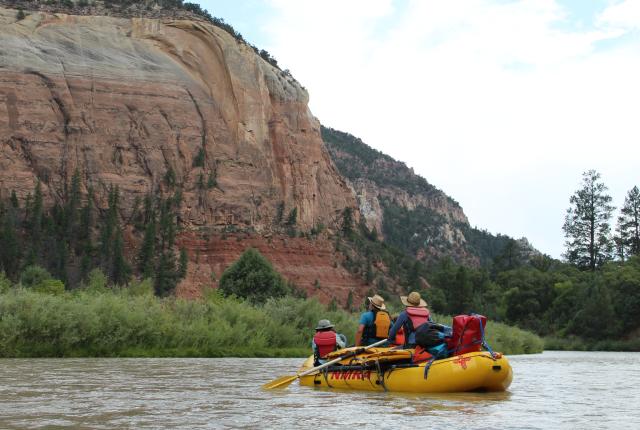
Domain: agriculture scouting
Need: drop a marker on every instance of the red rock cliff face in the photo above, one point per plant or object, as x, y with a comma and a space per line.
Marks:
125, 101
131, 102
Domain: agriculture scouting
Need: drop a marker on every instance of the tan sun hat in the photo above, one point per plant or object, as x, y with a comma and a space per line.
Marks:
324, 324
413, 299
377, 301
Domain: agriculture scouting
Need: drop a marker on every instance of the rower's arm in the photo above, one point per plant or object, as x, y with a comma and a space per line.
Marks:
359, 335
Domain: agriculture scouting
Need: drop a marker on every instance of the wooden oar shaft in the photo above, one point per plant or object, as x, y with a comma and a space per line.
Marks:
284, 381
342, 357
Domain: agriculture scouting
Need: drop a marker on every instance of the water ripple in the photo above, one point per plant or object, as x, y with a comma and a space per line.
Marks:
551, 390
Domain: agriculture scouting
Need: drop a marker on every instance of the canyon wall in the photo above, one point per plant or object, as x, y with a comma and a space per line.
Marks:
149, 105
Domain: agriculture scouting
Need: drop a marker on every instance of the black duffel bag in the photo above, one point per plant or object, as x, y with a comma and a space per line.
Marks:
429, 335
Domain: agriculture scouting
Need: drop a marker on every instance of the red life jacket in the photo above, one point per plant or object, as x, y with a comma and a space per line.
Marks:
418, 316
467, 334
326, 342
420, 355
400, 339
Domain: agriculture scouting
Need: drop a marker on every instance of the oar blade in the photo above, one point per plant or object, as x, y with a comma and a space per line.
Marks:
281, 382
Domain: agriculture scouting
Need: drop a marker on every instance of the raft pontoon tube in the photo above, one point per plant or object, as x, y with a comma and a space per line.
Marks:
383, 369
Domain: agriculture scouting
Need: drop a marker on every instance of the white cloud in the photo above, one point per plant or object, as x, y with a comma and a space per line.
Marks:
493, 102
625, 15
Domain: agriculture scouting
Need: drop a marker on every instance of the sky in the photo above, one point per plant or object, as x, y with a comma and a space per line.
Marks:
502, 104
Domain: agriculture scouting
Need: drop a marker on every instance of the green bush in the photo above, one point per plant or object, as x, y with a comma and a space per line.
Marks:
5, 283
141, 288
50, 286
97, 281
253, 277
33, 276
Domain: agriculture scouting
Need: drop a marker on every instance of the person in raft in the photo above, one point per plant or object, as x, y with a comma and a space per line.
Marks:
414, 315
326, 340
374, 323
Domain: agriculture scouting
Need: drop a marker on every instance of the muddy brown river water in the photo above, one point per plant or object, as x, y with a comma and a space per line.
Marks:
553, 390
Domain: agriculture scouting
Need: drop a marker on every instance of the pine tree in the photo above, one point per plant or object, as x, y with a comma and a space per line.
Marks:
168, 272
110, 224
586, 225
146, 262
347, 221
34, 224
349, 306
293, 217
120, 270
460, 292
10, 250
184, 262
629, 223
71, 208
166, 279
84, 247
14, 200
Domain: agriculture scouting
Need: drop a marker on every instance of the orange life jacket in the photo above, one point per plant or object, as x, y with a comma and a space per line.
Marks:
380, 328
326, 342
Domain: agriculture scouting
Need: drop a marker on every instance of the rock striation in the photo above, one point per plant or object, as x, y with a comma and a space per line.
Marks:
152, 104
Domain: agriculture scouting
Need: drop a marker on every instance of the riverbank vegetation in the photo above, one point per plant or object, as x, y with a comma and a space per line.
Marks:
42, 319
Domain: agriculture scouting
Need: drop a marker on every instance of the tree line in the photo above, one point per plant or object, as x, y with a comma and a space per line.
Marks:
592, 296
590, 241
72, 237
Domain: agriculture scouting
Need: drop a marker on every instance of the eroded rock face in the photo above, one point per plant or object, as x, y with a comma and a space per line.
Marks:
312, 266
129, 102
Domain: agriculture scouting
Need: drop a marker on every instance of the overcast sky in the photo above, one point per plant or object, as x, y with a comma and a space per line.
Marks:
501, 104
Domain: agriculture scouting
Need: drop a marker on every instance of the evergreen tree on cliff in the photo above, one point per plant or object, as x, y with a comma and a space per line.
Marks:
586, 226
629, 223
10, 252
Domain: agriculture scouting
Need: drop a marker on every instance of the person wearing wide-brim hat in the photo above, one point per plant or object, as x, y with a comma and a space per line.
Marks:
414, 315
374, 323
326, 340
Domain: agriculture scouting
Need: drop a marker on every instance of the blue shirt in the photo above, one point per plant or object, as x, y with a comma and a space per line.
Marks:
367, 319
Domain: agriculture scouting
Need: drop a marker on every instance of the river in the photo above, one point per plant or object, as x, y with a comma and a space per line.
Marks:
553, 390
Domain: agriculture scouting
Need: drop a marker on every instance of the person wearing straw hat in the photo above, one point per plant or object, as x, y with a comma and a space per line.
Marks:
414, 315
374, 323
326, 340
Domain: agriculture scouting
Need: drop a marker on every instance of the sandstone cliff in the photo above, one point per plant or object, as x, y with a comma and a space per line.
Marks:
130, 102
155, 105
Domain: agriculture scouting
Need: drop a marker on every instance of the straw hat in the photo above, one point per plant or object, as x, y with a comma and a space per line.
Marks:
324, 324
413, 299
377, 301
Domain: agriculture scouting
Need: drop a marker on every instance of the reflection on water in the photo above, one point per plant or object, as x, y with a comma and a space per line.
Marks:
550, 390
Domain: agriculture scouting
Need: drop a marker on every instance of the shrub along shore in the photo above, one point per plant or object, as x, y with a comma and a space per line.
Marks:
132, 322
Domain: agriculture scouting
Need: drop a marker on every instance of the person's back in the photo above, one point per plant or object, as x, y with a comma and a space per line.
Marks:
374, 323
325, 341
414, 315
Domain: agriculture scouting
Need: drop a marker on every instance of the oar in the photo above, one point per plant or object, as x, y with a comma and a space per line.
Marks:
284, 381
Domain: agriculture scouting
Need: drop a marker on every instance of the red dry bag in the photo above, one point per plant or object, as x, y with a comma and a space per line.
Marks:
468, 334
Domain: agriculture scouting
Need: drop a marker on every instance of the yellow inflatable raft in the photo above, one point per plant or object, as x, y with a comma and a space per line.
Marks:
382, 369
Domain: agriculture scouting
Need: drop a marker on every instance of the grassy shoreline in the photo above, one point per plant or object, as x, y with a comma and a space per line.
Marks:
134, 323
